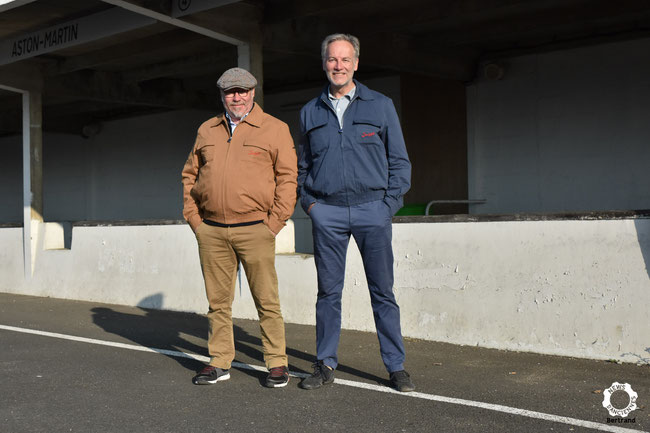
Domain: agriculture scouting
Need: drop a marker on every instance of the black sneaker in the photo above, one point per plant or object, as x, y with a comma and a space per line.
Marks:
210, 375
278, 377
322, 375
401, 381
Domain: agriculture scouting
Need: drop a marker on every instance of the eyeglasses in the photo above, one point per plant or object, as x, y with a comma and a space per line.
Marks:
241, 92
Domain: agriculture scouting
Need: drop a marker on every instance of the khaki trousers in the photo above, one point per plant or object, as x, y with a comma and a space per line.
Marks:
220, 251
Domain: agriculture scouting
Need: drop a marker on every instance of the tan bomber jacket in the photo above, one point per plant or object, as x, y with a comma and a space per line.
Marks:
247, 177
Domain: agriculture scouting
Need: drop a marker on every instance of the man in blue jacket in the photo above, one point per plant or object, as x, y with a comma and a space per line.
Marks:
353, 170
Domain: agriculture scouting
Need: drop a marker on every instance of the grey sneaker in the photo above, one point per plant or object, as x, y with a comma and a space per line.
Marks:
401, 381
322, 375
210, 375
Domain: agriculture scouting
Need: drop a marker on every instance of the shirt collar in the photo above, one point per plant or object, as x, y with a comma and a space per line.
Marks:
348, 95
240, 120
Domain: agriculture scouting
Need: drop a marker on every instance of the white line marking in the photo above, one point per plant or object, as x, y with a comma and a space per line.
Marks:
490, 406
361, 385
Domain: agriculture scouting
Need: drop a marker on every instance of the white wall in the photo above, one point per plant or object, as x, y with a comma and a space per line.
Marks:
575, 288
563, 131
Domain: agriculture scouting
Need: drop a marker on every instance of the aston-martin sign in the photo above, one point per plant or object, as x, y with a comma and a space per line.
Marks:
71, 33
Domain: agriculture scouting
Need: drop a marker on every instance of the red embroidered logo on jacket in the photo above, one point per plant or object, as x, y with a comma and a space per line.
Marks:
367, 134
254, 153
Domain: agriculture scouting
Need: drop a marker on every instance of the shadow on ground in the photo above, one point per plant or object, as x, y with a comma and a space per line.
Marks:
187, 332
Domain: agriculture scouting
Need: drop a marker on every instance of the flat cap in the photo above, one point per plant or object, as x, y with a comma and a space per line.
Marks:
236, 78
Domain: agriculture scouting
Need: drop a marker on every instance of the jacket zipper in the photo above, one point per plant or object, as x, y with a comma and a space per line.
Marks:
340, 130
224, 171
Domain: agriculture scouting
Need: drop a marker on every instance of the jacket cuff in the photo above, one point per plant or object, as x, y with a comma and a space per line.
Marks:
393, 204
306, 200
274, 225
195, 221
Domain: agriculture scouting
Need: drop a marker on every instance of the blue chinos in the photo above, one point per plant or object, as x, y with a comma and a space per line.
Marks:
370, 224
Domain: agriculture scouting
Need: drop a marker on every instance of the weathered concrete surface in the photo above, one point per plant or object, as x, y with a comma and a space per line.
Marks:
576, 288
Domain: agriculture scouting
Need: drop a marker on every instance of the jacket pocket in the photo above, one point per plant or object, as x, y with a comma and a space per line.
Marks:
257, 154
371, 170
367, 131
319, 137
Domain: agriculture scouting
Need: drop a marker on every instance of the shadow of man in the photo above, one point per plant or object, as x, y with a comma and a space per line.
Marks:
157, 329
251, 346
164, 330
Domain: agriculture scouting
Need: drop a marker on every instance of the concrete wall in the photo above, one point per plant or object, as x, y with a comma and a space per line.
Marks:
577, 288
130, 170
563, 131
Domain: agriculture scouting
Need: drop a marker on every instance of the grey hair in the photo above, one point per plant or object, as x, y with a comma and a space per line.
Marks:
340, 37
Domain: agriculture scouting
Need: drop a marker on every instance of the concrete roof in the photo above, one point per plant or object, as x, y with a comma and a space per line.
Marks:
166, 54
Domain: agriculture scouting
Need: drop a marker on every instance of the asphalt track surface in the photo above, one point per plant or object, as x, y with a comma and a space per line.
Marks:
68, 366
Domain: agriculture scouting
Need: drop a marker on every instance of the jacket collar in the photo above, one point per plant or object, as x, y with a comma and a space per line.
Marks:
254, 117
362, 92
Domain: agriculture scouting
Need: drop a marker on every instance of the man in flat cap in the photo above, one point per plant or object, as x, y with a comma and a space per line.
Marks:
239, 188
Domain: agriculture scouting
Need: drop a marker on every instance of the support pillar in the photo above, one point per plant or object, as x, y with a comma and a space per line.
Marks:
36, 154
249, 57
32, 176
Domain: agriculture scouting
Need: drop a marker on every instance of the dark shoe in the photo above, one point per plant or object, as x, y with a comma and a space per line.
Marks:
278, 377
322, 375
210, 375
401, 381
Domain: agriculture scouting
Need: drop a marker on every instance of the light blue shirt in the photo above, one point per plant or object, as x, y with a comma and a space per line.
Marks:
341, 104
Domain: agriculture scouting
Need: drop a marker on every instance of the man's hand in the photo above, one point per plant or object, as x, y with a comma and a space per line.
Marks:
194, 227
310, 206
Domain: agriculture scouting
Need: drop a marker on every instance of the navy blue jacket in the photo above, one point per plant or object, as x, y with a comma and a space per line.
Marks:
364, 161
